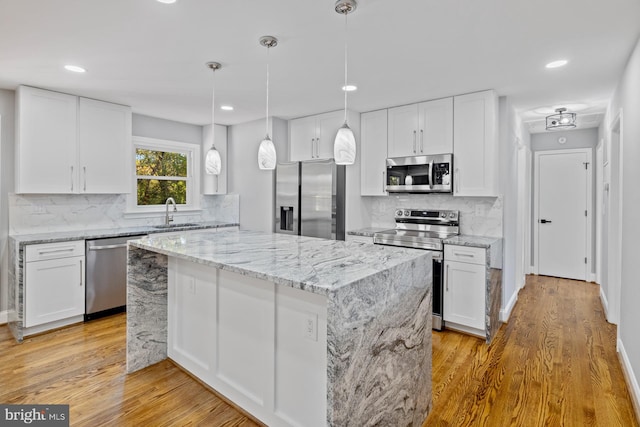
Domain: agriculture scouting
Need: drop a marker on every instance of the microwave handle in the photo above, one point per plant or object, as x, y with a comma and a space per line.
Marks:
431, 175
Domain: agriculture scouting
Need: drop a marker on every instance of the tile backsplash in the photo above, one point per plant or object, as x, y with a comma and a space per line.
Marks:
479, 216
40, 213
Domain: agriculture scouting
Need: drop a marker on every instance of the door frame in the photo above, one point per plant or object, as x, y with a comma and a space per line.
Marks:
536, 224
614, 281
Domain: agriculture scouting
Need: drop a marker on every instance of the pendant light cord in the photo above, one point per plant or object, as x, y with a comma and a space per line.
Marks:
267, 113
213, 110
345, 65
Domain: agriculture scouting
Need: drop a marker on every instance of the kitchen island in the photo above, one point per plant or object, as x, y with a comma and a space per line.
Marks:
295, 330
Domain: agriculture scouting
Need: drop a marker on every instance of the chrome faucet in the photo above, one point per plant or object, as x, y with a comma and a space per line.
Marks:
168, 218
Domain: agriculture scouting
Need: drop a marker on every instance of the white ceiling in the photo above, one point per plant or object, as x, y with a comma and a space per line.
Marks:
151, 56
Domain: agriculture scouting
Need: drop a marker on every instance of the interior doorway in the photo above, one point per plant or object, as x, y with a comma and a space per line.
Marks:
562, 228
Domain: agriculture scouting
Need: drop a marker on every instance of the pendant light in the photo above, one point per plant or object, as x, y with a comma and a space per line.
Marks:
344, 147
561, 120
267, 151
213, 163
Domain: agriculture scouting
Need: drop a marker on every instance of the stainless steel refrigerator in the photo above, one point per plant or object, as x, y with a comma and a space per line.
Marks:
310, 199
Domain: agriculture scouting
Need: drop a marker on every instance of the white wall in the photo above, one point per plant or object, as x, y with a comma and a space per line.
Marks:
627, 98
153, 127
6, 185
254, 186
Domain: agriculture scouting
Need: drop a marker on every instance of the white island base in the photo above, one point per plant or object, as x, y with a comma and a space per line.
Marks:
296, 331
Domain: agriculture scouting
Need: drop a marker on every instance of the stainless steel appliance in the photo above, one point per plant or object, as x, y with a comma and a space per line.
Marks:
424, 229
106, 276
310, 199
420, 174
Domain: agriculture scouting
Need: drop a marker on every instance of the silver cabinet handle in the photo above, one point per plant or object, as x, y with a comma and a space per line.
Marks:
414, 141
84, 172
384, 182
71, 178
447, 277
421, 141
312, 141
81, 271
217, 179
317, 147
54, 251
461, 254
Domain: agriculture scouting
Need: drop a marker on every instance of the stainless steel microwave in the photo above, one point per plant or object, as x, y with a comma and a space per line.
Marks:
420, 174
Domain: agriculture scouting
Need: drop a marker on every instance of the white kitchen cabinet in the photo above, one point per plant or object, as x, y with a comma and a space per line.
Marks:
46, 141
465, 278
421, 129
373, 149
54, 285
69, 145
311, 138
104, 143
214, 184
475, 145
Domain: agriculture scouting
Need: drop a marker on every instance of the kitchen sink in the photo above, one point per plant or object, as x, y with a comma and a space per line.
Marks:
184, 224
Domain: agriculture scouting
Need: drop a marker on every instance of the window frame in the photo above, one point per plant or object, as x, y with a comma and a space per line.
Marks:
192, 179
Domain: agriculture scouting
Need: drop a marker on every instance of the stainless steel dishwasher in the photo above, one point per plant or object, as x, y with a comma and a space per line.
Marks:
106, 276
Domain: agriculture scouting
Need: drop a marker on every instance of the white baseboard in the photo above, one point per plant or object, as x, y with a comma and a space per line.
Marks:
505, 313
629, 375
605, 303
4, 316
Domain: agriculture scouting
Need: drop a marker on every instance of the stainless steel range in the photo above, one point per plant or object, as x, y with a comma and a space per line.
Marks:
424, 229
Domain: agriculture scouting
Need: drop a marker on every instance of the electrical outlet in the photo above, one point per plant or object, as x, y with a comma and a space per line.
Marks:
481, 210
311, 327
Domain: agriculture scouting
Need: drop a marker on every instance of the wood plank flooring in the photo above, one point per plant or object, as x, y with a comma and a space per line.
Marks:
554, 364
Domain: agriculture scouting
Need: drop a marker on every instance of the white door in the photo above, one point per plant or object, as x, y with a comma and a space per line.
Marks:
562, 209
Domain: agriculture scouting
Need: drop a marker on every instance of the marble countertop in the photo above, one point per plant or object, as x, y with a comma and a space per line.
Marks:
316, 265
473, 241
62, 236
366, 232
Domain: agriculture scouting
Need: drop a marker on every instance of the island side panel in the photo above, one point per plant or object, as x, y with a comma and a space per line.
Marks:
146, 308
15, 304
379, 348
494, 289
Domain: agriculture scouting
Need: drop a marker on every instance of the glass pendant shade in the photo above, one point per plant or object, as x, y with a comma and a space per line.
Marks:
213, 163
344, 147
267, 154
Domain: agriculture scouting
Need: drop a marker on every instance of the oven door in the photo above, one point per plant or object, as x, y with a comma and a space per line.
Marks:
438, 294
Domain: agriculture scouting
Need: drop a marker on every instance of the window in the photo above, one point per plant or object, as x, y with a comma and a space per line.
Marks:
164, 169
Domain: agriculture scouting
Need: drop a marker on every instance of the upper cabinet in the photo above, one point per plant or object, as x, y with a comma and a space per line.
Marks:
373, 149
311, 138
215, 184
424, 128
66, 144
475, 154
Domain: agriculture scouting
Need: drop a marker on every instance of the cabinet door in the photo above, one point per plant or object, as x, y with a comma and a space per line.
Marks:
373, 149
214, 184
327, 126
435, 126
403, 131
104, 131
302, 139
54, 290
46, 141
475, 144
464, 294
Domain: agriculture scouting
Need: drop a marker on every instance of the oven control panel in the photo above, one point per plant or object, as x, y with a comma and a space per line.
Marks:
427, 214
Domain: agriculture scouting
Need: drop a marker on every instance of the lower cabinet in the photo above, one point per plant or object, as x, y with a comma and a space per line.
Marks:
54, 285
465, 284
261, 345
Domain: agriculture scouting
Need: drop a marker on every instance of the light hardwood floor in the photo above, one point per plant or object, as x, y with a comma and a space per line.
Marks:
553, 364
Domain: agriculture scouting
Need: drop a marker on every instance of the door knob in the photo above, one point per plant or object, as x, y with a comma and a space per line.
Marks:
545, 221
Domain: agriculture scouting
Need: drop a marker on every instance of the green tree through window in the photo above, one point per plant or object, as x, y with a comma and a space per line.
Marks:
160, 175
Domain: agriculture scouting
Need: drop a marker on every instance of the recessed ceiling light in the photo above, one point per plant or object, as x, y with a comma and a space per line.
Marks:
557, 64
167, 1
74, 68
226, 107
349, 88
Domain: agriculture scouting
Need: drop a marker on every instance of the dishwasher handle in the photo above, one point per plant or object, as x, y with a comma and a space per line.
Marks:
104, 247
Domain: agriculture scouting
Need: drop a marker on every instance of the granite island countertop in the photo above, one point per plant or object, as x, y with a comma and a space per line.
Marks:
316, 265
367, 231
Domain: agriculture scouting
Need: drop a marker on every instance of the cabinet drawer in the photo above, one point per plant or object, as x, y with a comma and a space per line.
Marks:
47, 251
466, 254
